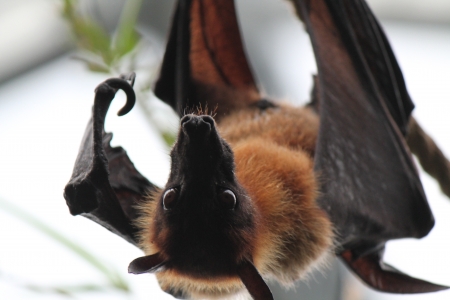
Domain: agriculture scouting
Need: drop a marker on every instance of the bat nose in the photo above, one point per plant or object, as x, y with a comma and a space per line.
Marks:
197, 125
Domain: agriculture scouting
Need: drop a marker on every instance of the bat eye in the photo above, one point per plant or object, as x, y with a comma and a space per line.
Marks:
169, 198
227, 199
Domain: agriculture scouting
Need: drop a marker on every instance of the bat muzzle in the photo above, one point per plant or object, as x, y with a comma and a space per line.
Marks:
197, 127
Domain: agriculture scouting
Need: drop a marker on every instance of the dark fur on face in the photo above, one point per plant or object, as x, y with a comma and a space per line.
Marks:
200, 234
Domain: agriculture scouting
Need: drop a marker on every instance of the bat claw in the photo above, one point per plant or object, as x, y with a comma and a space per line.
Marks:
127, 87
131, 77
112, 85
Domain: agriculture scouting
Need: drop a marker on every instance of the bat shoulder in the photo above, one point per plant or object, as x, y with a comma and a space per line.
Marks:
284, 124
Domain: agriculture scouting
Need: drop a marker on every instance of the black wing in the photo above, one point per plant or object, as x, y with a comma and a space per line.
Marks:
370, 187
105, 186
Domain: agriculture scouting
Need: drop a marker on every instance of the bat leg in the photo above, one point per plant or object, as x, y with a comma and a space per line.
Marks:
382, 277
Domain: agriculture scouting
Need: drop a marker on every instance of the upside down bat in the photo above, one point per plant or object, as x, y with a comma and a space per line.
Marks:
262, 190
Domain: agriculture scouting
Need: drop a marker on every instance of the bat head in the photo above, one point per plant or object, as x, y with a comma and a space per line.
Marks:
204, 222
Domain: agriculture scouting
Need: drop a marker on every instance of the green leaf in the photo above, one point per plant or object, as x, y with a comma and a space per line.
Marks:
94, 38
98, 68
89, 35
126, 37
169, 138
93, 64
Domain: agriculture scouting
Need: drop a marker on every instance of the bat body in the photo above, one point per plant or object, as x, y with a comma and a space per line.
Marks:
263, 190
285, 234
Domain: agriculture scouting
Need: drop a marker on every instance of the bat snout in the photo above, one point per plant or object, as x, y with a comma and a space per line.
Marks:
197, 126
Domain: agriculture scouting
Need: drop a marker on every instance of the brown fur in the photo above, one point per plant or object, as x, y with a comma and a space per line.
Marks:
146, 234
285, 125
200, 288
273, 152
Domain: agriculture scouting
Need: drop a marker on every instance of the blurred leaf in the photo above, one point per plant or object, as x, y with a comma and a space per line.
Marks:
64, 290
169, 138
127, 38
93, 64
98, 68
68, 291
91, 37
113, 276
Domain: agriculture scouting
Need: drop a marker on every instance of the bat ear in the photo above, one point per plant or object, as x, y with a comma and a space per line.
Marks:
105, 186
146, 264
380, 276
253, 281
204, 62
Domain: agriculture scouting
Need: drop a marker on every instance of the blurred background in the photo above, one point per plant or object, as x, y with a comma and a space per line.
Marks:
46, 94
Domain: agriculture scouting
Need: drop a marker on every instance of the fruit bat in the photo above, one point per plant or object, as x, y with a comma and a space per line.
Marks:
264, 190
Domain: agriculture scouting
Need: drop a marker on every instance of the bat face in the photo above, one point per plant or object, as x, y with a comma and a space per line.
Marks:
204, 222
